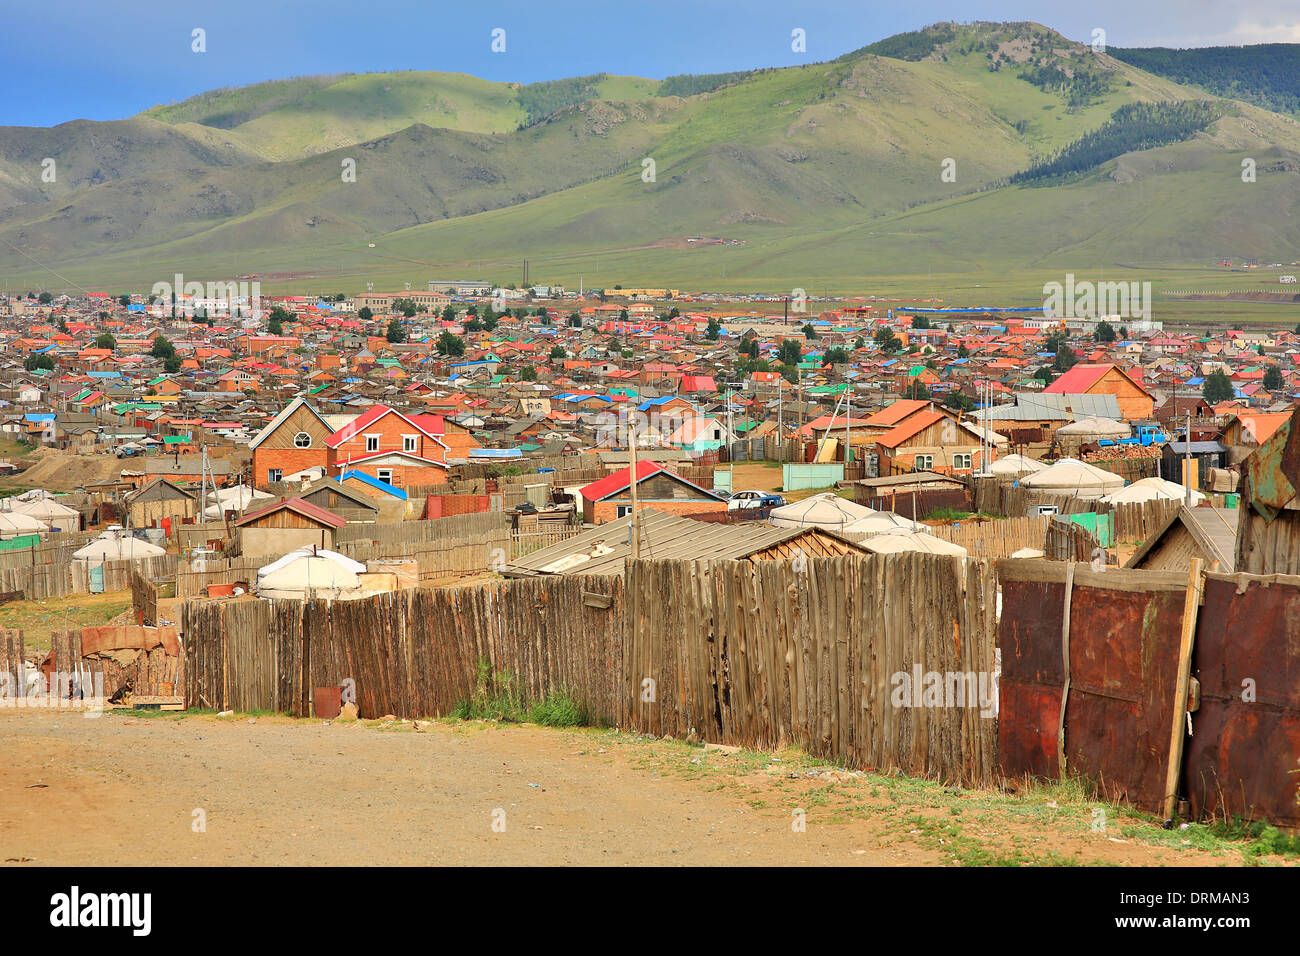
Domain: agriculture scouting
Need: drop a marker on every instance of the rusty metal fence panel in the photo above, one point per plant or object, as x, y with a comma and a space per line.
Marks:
1123, 646
1243, 756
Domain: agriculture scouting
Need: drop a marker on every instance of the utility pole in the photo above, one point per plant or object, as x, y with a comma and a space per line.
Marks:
780, 419
731, 451
636, 515
848, 428
1187, 458
797, 433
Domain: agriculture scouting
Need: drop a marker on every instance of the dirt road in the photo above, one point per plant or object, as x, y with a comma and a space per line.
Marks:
269, 790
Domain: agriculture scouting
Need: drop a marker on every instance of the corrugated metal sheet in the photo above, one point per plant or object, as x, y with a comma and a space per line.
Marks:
663, 535
1034, 407
1242, 757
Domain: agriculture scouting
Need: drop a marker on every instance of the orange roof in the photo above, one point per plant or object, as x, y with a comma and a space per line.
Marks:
914, 425
896, 412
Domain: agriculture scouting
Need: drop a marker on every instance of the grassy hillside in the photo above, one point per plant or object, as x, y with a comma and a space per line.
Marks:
829, 175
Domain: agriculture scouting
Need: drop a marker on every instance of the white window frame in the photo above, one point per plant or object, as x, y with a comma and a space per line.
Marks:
622, 511
928, 462
372, 440
297, 444
274, 475
380, 472
961, 461
411, 444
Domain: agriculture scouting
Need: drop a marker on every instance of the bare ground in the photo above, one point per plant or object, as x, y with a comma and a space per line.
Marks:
123, 790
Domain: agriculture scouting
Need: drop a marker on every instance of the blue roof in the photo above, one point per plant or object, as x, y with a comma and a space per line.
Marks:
374, 483
652, 402
104, 374
38, 416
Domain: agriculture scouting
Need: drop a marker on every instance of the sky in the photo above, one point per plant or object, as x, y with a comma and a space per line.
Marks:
91, 59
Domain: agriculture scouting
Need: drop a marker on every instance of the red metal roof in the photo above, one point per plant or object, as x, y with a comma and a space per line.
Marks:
621, 479
305, 508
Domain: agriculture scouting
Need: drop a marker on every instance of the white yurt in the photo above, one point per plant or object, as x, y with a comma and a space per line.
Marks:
827, 511
50, 512
882, 522
1094, 428
1069, 476
237, 498
896, 541
1015, 466
1153, 489
310, 571
116, 545
13, 524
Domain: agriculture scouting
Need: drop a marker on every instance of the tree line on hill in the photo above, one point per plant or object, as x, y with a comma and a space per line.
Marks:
1134, 126
1267, 75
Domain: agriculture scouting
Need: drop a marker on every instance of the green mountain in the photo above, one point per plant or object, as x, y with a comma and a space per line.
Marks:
955, 149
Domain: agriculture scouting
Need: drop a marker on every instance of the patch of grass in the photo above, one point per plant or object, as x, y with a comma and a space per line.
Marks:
496, 697
38, 619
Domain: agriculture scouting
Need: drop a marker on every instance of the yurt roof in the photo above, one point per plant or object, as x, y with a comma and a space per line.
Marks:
827, 510
1072, 473
1095, 425
897, 541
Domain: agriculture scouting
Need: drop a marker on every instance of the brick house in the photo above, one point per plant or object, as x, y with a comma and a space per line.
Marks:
391, 447
656, 487
293, 440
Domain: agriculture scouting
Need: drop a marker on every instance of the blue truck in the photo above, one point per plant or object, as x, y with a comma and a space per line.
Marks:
1143, 434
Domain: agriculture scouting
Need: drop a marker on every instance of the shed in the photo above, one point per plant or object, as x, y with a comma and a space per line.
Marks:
287, 524
1206, 533
157, 500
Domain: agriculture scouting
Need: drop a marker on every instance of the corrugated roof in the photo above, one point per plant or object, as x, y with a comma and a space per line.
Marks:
663, 535
1031, 406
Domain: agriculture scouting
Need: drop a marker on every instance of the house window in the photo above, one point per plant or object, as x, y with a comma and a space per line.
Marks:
274, 474
961, 461
372, 443
622, 511
717, 434
302, 440
385, 475
410, 443
923, 463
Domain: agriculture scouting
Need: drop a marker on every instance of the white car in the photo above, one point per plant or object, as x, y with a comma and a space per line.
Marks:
746, 500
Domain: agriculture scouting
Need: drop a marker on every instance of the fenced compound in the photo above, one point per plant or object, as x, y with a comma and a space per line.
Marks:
442, 548
40, 582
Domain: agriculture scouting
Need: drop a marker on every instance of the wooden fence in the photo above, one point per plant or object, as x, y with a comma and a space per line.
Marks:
994, 539
526, 542
834, 656
45, 581
409, 653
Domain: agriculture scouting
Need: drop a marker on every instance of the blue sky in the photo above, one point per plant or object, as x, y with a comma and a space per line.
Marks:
107, 59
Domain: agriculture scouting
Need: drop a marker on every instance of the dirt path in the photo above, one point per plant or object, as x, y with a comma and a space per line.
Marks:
124, 790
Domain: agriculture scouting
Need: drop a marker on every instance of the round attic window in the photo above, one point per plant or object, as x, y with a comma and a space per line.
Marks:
302, 440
